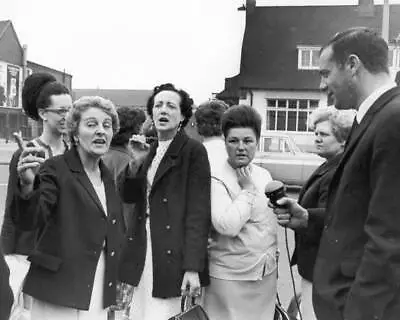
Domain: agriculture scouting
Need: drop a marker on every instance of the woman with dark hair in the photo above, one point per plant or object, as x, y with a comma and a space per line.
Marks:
120, 154
73, 200
243, 246
166, 252
48, 101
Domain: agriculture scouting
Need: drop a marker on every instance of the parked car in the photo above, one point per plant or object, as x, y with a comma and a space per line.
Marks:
279, 154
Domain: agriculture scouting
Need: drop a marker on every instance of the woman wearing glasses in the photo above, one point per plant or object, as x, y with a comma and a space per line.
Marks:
47, 101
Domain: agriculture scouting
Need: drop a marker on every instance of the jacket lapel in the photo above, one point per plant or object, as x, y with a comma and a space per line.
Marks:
359, 131
170, 158
109, 187
75, 164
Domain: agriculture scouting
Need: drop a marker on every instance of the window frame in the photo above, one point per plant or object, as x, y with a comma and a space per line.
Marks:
309, 50
312, 103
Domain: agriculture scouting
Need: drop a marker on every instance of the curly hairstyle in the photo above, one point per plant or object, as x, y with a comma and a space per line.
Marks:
131, 120
186, 101
84, 103
37, 91
208, 118
340, 120
241, 116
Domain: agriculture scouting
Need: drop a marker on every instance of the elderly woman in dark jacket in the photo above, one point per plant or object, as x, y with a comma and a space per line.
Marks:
73, 199
166, 252
331, 128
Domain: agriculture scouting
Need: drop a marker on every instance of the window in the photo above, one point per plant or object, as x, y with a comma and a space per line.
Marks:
394, 57
276, 144
308, 58
289, 114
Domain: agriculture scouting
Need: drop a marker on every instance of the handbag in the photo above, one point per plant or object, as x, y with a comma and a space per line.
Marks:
190, 310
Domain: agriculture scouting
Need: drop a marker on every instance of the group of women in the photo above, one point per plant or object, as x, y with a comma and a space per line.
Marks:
190, 229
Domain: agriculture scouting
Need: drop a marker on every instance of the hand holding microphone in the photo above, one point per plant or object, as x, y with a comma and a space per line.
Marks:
288, 211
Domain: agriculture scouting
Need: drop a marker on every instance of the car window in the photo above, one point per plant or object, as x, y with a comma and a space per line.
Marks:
276, 144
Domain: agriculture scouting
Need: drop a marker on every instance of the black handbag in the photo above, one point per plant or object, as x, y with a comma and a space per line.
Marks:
190, 311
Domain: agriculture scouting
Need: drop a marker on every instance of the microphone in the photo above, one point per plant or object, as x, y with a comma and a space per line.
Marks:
274, 191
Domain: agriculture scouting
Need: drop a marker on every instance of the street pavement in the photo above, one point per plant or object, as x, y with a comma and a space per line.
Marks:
285, 288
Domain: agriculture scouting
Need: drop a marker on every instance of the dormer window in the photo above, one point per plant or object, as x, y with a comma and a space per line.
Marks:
308, 57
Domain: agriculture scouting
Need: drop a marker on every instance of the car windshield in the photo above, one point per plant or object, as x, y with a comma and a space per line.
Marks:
278, 145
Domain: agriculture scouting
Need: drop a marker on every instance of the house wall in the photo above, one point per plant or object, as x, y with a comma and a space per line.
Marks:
62, 77
258, 99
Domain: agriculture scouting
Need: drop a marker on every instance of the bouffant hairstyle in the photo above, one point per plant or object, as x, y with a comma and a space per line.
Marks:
131, 120
84, 103
341, 120
37, 91
208, 118
186, 101
241, 116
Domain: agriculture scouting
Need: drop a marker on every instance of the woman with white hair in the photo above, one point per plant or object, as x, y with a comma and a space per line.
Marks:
331, 127
72, 199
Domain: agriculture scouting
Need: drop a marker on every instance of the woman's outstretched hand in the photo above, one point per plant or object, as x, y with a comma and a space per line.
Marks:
30, 160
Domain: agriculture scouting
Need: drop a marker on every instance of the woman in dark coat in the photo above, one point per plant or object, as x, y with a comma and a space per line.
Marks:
166, 252
331, 128
45, 101
73, 199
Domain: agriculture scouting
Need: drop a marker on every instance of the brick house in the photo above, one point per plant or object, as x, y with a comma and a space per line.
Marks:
14, 68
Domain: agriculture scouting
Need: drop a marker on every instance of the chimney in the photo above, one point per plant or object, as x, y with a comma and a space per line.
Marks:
25, 61
250, 6
366, 8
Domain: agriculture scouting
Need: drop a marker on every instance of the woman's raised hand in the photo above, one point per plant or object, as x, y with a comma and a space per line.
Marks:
244, 178
30, 159
140, 149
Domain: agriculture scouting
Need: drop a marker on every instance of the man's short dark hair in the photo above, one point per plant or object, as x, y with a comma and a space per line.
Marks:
131, 120
365, 43
208, 118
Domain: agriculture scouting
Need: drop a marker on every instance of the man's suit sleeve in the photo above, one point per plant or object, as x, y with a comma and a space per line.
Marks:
378, 276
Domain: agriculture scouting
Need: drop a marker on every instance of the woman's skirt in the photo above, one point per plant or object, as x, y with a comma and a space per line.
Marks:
46, 311
144, 305
239, 300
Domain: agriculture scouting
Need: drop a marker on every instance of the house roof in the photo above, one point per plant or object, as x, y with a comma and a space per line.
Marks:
32, 64
272, 34
4, 25
119, 97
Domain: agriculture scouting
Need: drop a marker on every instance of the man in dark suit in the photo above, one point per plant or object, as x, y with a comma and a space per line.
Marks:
357, 271
6, 296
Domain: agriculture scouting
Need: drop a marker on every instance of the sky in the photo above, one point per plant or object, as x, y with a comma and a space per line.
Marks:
132, 44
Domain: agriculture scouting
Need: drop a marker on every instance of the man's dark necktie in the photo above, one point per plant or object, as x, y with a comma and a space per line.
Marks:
352, 131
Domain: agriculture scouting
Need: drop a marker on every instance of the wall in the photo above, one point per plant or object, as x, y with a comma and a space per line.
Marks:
305, 140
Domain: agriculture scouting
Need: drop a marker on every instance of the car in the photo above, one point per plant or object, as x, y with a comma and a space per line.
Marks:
279, 154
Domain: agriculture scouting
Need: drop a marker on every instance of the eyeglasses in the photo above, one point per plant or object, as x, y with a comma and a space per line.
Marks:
60, 112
